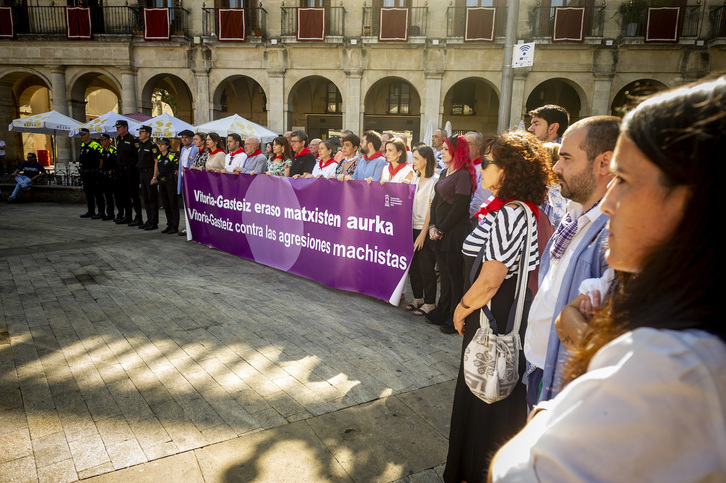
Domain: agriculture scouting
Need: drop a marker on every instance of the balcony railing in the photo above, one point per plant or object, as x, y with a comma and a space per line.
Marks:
334, 21
255, 23
634, 20
417, 21
456, 22
115, 20
543, 19
717, 17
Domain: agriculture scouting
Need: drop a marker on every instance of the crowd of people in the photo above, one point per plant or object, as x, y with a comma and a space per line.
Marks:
620, 367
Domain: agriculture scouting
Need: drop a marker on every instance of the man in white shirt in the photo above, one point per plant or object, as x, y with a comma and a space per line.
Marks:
575, 252
437, 142
236, 155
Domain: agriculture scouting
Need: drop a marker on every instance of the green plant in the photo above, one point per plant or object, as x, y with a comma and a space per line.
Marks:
633, 10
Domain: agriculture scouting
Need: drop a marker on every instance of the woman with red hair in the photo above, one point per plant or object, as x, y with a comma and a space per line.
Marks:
449, 225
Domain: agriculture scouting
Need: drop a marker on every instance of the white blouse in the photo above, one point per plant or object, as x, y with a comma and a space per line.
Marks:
422, 199
652, 407
399, 177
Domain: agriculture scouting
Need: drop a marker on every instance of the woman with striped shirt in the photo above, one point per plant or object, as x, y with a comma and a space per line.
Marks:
515, 170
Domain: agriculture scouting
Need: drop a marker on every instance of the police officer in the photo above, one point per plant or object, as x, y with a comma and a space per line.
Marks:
127, 176
167, 166
108, 175
146, 165
90, 161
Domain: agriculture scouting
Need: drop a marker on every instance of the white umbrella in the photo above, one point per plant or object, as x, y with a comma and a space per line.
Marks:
237, 124
448, 128
51, 122
167, 126
428, 133
106, 124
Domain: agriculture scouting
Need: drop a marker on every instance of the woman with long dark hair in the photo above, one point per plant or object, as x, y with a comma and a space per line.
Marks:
215, 162
423, 265
449, 225
280, 164
647, 397
514, 169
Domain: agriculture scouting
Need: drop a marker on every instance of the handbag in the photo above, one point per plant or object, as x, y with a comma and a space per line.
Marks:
491, 360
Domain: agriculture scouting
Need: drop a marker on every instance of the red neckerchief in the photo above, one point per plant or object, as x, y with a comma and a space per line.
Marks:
239, 150
304, 151
218, 150
256, 152
477, 161
278, 156
496, 204
392, 172
327, 163
375, 155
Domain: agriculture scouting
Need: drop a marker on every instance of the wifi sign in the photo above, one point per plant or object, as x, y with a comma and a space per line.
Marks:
523, 55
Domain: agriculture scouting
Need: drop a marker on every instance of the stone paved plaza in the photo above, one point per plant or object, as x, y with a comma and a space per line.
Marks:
120, 347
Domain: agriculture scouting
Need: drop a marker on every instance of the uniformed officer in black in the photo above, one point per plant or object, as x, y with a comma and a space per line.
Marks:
90, 161
146, 165
108, 174
127, 176
167, 166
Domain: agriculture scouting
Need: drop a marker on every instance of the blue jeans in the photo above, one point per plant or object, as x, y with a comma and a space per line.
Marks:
22, 182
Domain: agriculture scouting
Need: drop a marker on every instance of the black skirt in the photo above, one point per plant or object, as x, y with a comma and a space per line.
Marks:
479, 429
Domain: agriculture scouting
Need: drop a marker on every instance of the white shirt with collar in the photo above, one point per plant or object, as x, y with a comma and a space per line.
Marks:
539, 322
235, 160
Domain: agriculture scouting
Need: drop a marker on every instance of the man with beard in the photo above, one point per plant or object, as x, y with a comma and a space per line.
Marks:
576, 250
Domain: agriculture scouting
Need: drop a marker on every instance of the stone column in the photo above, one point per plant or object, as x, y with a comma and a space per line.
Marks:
277, 110
602, 83
65, 150
518, 106
129, 101
352, 102
432, 103
202, 97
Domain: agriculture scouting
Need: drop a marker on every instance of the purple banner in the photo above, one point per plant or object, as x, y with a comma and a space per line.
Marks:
348, 235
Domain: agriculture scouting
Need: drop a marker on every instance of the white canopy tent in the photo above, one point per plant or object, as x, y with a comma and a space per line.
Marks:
167, 126
237, 124
106, 124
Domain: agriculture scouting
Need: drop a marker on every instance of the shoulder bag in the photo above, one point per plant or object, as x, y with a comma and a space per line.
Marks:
491, 360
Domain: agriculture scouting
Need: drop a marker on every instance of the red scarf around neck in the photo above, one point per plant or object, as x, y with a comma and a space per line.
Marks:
375, 155
258, 152
496, 204
304, 151
218, 150
477, 161
392, 172
327, 163
239, 150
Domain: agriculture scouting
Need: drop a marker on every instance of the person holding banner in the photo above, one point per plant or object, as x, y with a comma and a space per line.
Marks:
423, 266
280, 164
449, 225
200, 159
398, 170
349, 161
326, 165
215, 163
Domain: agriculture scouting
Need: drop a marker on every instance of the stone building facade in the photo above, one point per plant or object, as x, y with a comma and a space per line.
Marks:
354, 78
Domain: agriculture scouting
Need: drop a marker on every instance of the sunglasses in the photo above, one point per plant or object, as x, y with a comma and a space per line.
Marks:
486, 162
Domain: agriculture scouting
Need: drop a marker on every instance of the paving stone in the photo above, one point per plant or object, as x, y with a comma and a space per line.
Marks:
20, 470
50, 449
15, 445
88, 452
61, 472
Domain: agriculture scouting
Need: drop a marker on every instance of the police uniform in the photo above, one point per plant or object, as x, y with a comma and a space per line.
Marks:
90, 161
127, 177
166, 178
109, 161
147, 155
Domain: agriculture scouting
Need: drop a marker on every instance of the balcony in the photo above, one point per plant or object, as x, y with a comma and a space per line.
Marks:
416, 27
543, 24
669, 21
255, 24
51, 21
717, 17
334, 23
456, 24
